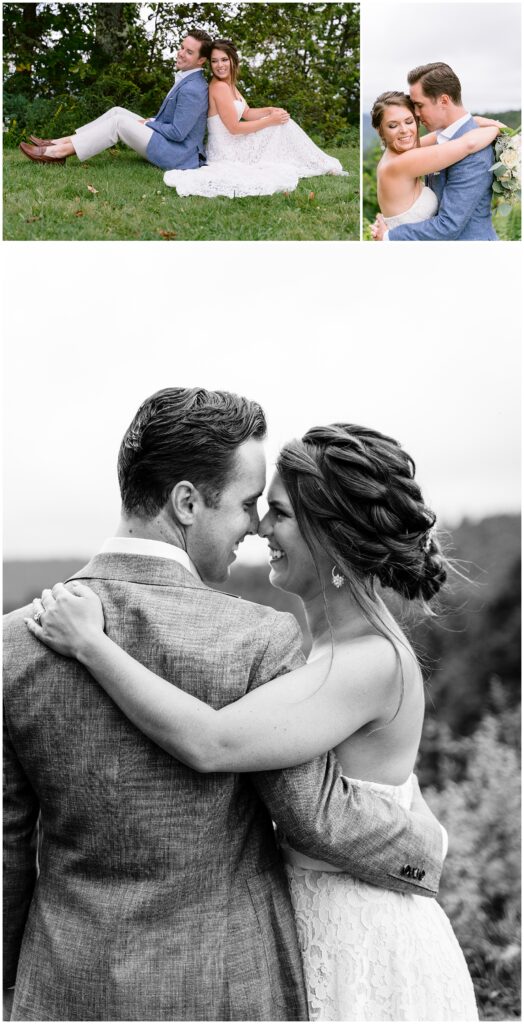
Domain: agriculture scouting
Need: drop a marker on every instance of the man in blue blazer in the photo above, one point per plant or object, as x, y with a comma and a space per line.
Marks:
174, 138
464, 189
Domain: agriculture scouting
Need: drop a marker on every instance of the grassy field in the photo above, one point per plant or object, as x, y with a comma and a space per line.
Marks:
45, 202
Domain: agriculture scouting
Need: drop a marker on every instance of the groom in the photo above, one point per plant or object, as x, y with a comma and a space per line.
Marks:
464, 189
159, 893
174, 138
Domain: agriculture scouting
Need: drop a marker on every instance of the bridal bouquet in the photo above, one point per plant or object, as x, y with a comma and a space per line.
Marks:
506, 170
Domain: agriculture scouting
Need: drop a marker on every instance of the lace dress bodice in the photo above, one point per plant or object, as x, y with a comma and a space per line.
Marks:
263, 162
370, 954
424, 207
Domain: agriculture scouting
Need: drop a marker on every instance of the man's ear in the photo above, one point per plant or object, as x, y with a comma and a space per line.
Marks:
202, 61
185, 500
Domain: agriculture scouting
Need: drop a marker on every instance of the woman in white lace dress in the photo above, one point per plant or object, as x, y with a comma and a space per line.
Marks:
345, 512
402, 196
249, 151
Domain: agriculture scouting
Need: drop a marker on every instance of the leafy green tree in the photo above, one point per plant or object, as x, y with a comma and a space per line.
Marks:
85, 56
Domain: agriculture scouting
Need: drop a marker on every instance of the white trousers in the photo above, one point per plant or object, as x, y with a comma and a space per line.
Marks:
116, 125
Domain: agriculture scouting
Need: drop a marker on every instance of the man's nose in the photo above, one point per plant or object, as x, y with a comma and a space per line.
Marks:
254, 522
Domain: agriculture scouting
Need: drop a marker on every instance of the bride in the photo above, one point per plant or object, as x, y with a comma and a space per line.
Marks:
249, 151
402, 196
345, 512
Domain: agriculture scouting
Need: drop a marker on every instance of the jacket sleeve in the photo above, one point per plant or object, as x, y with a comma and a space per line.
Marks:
465, 184
21, 811
186, 112
341, 821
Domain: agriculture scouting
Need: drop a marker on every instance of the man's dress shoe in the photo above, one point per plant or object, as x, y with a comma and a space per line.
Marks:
37, 153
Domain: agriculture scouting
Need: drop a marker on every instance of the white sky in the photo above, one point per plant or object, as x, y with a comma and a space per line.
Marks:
316, 332
480, 41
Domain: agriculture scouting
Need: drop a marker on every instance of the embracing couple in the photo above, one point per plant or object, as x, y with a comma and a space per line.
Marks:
158, 729
256, 151
456, 158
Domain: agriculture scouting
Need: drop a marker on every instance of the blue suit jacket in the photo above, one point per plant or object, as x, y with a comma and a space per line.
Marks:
464, 194
179, 127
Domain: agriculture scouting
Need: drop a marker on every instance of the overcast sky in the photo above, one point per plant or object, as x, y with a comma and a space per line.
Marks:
344, 337
481, 42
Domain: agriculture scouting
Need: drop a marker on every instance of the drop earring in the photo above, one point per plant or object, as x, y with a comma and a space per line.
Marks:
336, 579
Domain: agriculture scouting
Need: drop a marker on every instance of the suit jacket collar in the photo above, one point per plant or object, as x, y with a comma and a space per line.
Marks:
141, 569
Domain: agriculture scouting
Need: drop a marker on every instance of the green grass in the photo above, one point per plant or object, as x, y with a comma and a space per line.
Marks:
46, 202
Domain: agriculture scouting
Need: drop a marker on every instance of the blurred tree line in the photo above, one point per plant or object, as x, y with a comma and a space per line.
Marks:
65, 63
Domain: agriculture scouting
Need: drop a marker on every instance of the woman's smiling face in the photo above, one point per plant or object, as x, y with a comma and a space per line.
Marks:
220, 65
292, 565
399, 129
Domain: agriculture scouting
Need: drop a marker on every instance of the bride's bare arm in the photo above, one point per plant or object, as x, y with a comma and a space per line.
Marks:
429, 159
223, 100
482, 122
286, 722
428, 140
255, 113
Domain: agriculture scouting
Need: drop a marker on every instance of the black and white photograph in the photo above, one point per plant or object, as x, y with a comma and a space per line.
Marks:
191, 512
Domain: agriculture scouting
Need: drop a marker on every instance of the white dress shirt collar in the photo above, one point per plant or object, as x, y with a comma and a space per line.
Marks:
180, 75
445, 134
149, 548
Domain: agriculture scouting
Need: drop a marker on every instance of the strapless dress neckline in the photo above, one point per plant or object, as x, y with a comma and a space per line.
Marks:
424, 207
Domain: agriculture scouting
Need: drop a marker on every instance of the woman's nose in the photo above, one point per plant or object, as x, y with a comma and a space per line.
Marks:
264, 526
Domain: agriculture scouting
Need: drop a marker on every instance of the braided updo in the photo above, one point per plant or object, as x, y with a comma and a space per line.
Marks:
353, 493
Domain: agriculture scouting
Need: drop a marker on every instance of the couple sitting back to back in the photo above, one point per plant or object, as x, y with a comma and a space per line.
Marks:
250, 151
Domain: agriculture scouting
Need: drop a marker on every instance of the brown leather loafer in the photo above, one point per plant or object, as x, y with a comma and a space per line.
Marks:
40, 142
37, 153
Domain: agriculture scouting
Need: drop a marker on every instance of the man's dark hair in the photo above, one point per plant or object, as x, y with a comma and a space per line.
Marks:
184, 434
436, 80
204, 39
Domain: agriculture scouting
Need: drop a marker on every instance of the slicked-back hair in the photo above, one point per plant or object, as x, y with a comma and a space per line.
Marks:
204, 39
184, 434
436, 80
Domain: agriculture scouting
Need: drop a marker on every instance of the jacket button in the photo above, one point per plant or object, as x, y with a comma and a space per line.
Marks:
422, 875
406, 870
415, 873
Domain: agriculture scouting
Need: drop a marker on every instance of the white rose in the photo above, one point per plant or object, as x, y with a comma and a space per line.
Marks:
510, 158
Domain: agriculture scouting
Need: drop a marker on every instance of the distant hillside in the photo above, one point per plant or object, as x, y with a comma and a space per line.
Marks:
24, 580
470, 651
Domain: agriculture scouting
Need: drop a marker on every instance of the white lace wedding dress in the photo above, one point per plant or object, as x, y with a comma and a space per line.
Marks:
424, 207
370, 954
258, 164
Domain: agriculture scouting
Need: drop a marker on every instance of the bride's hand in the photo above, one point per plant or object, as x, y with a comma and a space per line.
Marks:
278, 116
488, 122
67, 619
379, 228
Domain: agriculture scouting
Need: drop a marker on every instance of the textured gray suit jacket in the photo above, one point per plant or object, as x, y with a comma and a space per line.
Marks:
160, 893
